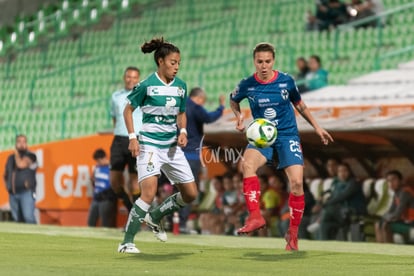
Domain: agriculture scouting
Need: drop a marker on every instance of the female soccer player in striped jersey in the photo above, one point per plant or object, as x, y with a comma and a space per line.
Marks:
271, 94
161, 97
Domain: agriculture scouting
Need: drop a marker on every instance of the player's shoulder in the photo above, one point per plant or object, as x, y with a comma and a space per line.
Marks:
284, 77
247, 82
149, 80
117, 93
179, 82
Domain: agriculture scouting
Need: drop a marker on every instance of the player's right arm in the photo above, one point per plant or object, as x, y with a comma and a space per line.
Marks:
113, 110
133, 146
235, 97
135, 99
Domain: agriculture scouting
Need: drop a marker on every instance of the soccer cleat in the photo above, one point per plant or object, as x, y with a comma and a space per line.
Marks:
253, 223
157, 229
291, 238
128, 248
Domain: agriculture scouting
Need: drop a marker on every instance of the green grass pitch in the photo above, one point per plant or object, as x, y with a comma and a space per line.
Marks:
50, 250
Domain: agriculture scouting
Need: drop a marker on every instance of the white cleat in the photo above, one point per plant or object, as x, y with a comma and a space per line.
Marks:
157, 229
128, 248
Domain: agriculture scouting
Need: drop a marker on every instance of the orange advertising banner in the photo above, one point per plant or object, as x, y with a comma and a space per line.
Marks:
64, 172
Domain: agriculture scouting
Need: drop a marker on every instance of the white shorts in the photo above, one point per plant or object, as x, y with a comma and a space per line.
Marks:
171, 161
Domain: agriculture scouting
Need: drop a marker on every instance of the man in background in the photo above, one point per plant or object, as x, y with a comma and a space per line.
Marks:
120, 155
103, 206
197, 116
400, 217
20, 178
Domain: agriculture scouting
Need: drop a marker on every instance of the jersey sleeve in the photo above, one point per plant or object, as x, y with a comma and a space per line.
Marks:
184, 100
137, 96
294, 95
239, 93
113, 107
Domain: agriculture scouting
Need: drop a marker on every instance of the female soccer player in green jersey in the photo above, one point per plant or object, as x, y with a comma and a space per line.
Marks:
161, 97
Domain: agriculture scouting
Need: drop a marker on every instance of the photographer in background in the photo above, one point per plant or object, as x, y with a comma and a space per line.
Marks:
20, 178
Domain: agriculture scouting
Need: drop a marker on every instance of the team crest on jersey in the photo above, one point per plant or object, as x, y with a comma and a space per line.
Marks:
285, 94
180, 92
150, 167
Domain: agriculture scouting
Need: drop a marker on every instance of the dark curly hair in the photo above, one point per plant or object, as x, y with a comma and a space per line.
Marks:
161, 47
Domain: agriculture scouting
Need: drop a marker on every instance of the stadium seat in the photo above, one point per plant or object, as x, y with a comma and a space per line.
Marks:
316, 188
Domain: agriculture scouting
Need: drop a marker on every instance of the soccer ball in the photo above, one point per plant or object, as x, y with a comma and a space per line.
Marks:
261, 133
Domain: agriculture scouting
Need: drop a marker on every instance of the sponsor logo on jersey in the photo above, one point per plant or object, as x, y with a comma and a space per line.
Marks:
285, 94
250, 89
269, 113
170, 102
180, 92
155, 91
161, 119
282, 85
265, 100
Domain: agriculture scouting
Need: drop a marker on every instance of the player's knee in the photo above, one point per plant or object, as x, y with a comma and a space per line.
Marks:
296, 186
248, 167
189, 196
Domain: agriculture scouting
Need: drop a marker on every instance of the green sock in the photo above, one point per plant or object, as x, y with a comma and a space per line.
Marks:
135, 218
169, 206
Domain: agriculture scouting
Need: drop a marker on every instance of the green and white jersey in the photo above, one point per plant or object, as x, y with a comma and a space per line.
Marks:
160, 103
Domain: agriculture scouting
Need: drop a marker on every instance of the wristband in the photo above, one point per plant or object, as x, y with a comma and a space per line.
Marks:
132, 136
183, 130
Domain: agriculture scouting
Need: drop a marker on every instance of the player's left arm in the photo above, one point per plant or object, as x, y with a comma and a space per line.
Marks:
303, 110
306, 114
182, 124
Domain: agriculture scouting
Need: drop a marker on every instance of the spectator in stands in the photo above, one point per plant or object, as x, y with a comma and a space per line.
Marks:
307, 213
316, 77
20, 178
230, 204
120, 156
400, 217
359, 9
331, 167
104, 202
300, 77
346, 200
197, 116
270, 204
330, 13
211, 217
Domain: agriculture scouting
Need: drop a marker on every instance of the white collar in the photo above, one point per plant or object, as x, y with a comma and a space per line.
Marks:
169, 84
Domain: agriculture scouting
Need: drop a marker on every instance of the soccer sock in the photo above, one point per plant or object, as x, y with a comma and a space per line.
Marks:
169, 206
296, 207
137, 214
251, 190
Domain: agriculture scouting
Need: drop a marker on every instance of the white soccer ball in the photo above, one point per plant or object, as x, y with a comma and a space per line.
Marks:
261, 133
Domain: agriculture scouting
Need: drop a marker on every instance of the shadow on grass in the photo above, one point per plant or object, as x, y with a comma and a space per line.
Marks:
277, 257
154, 257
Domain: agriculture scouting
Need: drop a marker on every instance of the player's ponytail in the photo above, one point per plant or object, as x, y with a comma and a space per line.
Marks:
161, 47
